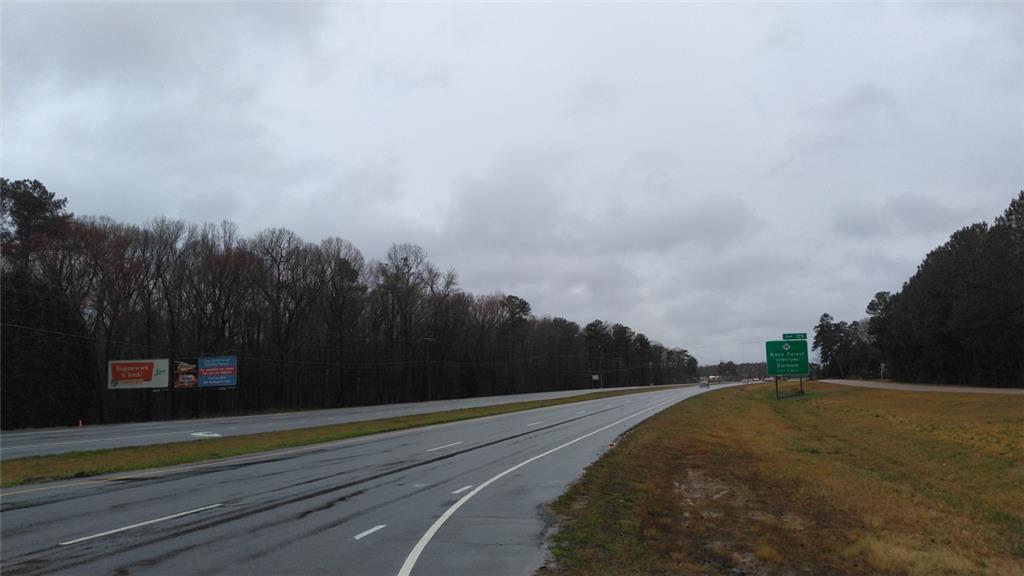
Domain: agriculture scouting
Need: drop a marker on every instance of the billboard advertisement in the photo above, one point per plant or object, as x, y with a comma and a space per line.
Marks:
186, 373
218, 371
138, 374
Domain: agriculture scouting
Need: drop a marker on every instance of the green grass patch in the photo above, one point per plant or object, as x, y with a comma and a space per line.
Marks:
840, 481
95, 462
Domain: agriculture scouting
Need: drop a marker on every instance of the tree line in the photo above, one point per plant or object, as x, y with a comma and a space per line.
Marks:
312, 325
958, 320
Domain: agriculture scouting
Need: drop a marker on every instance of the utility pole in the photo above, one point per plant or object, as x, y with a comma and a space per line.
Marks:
427, 341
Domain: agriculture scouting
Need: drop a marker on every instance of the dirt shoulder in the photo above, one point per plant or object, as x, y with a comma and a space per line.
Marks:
841, 480
926, 387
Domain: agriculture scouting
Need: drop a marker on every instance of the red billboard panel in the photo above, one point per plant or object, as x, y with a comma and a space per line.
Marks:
136, 374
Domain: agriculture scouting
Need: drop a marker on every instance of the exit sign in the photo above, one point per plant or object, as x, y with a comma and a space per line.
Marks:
795, 336
787, 357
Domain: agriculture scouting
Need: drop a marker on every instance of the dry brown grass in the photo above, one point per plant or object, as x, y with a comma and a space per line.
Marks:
92, 463
839, 481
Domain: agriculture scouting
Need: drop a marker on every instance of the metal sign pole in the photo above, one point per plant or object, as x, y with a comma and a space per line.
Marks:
776, 387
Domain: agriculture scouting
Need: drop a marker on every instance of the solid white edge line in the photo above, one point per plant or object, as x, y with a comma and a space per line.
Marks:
446, 446
366, 533
140, 524
534, 423
461, 490
414, 555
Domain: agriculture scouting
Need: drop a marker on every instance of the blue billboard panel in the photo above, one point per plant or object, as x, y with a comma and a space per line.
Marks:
217, 371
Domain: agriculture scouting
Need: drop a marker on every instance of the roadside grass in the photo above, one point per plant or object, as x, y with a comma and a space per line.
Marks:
96, 462
841, 480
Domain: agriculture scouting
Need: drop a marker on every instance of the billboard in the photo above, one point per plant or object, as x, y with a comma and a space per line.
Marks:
218, 371
186, 373
137, 374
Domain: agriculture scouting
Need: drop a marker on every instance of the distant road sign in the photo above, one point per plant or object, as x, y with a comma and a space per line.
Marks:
795, 336
787, 357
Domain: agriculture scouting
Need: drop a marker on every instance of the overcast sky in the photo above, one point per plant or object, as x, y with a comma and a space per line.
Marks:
710, 175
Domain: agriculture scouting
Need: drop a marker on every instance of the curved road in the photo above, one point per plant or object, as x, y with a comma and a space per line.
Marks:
461, 498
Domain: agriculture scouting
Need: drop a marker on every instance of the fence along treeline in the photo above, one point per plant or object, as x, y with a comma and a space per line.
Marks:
313, 325
958, 320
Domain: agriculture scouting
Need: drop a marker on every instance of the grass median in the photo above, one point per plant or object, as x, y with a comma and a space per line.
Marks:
841, 480
95, 462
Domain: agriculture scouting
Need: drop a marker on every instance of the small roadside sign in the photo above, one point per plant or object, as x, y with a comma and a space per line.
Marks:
795, 336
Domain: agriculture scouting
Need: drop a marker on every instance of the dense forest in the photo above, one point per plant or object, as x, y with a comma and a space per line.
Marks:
958, 320
312, 325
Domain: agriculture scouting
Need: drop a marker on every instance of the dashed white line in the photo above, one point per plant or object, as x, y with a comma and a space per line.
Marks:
534, 423
461, 490
366, 533
582, 412
445, 446
139, 525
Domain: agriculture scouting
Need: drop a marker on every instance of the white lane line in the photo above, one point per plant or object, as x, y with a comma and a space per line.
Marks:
445, 446
582, 412
206, 435
461, 490
534, 423
140, 524
607, 405
366, 533
414, 555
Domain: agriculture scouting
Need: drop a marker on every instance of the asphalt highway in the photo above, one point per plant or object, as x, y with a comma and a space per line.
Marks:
460, 498
19, 443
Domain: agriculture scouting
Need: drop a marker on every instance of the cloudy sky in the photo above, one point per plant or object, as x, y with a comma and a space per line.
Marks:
710, 175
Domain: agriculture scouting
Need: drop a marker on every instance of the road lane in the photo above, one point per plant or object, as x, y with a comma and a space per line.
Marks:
20, 443
298, 512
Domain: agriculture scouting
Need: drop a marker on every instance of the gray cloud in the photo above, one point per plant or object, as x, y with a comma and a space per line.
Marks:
709, 175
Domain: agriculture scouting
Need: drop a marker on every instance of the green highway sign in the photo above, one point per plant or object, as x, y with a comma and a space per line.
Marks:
787, 357
796, 336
